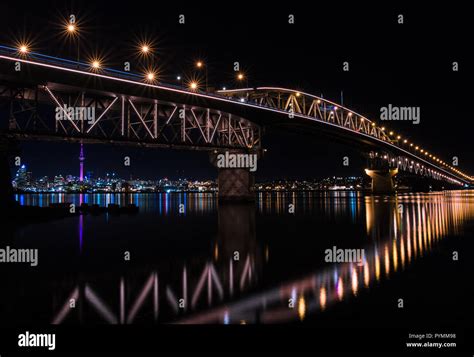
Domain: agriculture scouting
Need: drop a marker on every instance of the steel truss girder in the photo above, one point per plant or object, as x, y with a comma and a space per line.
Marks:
320, 109
124, 119
409, 165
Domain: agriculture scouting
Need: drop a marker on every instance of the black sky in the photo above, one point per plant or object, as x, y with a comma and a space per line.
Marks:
404, 65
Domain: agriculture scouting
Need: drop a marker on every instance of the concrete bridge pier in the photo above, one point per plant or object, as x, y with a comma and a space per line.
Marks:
382, 180
235, 183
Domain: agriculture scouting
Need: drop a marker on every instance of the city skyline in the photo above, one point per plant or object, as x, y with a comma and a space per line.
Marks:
25, 182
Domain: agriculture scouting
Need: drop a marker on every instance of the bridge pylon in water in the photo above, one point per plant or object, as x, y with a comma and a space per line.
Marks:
381, 173
236, 174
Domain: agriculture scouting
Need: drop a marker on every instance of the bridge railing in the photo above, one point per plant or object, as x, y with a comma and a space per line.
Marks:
86, 67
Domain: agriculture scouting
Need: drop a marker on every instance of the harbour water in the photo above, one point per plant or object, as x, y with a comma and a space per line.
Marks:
185, 258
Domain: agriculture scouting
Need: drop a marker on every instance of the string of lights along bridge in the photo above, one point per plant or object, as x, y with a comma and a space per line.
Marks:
397, 150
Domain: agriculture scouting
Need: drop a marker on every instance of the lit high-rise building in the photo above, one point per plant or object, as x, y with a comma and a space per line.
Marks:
22, 177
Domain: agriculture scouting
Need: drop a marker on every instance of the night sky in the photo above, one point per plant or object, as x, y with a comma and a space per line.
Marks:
403, 65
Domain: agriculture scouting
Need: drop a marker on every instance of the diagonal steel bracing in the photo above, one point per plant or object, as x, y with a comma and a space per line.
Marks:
120, 119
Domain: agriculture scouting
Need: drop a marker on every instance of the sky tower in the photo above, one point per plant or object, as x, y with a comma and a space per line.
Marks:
81, 164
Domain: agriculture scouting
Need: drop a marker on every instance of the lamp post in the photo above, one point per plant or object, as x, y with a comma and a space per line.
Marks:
73, 32
193, 85
200, 65
241, 77
146, 51
23, 49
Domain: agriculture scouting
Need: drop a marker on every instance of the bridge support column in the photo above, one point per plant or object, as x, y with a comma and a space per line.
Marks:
382, 180
235, 184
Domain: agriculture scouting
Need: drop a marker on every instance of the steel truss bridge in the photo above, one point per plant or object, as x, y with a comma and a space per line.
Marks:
129, 110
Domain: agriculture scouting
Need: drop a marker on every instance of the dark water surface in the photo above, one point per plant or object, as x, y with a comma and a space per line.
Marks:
204, 262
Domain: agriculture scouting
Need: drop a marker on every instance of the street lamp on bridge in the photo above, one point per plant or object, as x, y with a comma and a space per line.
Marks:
23, 49
73, 32
150, 76
200, 64
193, 85
241, 77
95, 64
71, 28
146, 53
